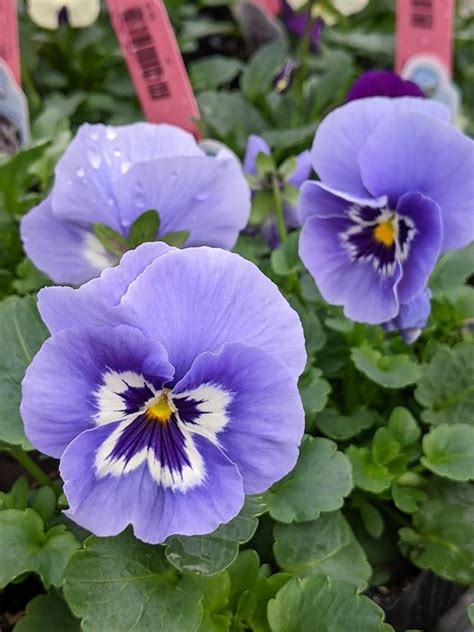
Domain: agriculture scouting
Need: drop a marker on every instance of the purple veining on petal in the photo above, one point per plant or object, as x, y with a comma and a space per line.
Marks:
135, 397
383, 83
188, 410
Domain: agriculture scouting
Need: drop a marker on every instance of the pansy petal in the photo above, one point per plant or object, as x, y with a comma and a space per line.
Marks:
422, 154
98, 156
202, 298
208, 197
303, 169
423, 251
412, 317
323, 201
255, 146
64, 251
107, 504
367, 295
90, 304
264, 411
58, 389
343, 133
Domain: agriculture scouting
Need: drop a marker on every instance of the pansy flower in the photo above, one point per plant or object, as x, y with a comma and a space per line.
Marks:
395, 191
168, 391
50, 14
383, 83
112, 175
257, 145
412, 317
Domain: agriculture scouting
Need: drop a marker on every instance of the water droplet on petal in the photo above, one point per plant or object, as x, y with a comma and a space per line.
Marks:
174, 174
94, 158
80, 173
200, 197
111, 133
125, 166
117, 153
94, 136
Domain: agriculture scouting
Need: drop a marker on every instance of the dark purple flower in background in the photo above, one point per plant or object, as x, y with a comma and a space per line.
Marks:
396, 190
383, 83
256, 145
412, 317
297, 23
168, 390
112, 175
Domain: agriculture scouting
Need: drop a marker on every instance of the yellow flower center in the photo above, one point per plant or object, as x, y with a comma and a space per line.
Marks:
385, 233
161, 409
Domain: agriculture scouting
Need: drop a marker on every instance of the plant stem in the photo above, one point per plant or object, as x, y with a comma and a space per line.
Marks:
279, 215
27, 462
304, 54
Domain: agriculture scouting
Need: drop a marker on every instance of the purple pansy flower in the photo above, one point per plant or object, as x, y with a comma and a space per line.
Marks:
395, 191
383, 83
298, 22
257, 145
412, 317
111, 175
168, 390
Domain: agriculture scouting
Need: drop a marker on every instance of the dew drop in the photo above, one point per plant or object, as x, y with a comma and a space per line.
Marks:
125, 166
117, 153
80, 173
94, 159
200, 197
94, 136
111, 133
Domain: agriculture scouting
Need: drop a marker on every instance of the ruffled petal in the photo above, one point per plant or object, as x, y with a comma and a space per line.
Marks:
208, 197
343, 133
64, 251
419, 153
202, 298
92, 303
62, 392
366, 294
106, 505
86, 175
264, 417
423, 250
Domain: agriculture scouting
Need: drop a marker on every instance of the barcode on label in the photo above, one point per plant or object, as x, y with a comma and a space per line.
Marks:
145, 53
422, 14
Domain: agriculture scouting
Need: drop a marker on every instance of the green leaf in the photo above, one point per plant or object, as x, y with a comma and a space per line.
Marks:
285, 259
121, 583
368, 474
323, 546
210, 554
216, 590
26, 547
403, 426
407, 499
265, 589
323, 604
259, 73
30, 279
176, 238
319, 482
112, 241
314, 391
264, 164
144, 228
452, 270
288, 167
343, 427
17, 497
21, 335
43, 501
372, 519
449, 451
48, 612
393, 371
442, 537
446, 387
262, 205
213, 71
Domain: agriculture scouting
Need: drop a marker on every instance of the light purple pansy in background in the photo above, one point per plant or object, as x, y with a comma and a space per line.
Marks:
383, 83
257, 145
112, 175
412, 317
396, 190
168, 390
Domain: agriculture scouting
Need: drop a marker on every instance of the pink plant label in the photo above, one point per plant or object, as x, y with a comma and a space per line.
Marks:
270, 7
9, 43
424, 28
154, 62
